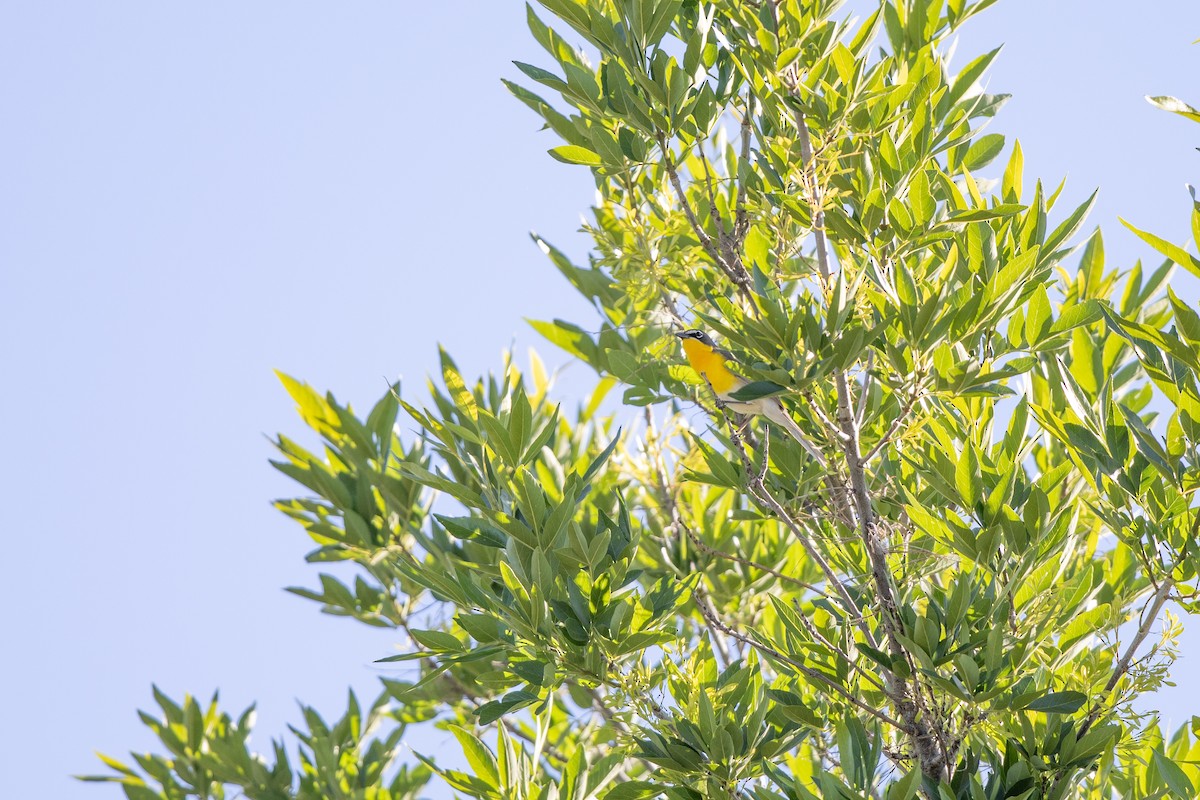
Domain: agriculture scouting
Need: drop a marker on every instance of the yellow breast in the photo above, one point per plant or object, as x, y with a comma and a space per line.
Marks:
711, 365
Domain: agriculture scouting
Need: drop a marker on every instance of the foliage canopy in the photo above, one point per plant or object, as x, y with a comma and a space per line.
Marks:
947, 590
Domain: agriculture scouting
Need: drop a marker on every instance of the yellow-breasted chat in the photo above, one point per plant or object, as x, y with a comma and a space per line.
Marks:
711, 362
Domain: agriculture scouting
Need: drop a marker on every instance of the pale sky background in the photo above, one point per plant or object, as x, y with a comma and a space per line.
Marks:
193, 194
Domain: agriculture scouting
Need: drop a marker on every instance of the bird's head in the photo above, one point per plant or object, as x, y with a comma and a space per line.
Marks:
697, 336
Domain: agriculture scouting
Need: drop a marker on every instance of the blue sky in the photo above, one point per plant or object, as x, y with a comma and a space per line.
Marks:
192, 195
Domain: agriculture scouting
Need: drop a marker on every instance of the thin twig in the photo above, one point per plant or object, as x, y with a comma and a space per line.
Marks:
905, 410
631, 209
1148, 616
713, 213
476, 700
738, 275
741, 219
759, 491
823, 417
819, 637
864, 394
611, 718
745, 562
812, 674
666, 499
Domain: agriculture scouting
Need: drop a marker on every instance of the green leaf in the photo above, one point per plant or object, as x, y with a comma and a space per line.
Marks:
906, 788
474, 528
787, 57
600, 460
1094, 742
438, 641
865, 33
1011, 184
569, 337
1186, 318
1058, 703
660, 20
980, 214
758, 249
1077, 399
983, 151
480, 759
1037, 319
574, 154
970, 74
1074, 316
137, 791
1147, 443
921, 199
312, 407
967, 477
1171, 251
490, 712
634, 790
843, 62
1174, 105
1070, 225
1175, 778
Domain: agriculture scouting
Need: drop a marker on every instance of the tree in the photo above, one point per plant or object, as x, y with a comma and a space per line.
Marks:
945, 587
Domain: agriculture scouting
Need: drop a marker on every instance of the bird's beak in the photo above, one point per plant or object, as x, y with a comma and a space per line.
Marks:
679, 334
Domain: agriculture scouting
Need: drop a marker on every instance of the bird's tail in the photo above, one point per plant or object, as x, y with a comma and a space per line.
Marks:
774, 411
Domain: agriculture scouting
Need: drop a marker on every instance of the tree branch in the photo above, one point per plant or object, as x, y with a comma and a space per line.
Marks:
704, 548
741, 219
1148, 617
709, 612
759, 492
925, 729
905, 410
735, 272
864, 393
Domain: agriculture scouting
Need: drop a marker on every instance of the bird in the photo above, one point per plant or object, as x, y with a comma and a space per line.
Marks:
710, 362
